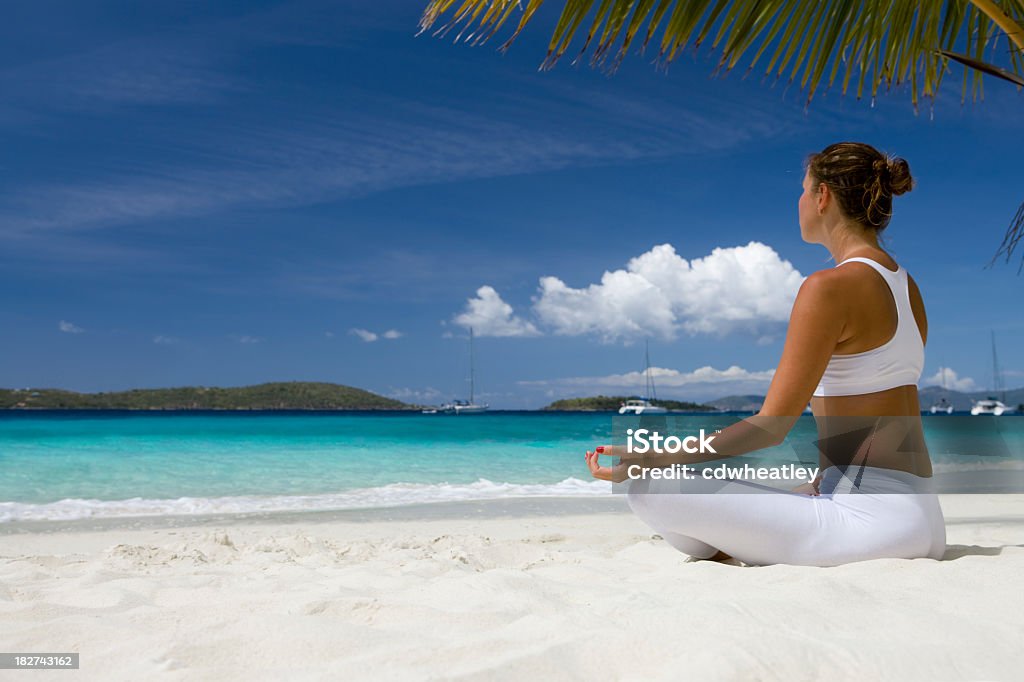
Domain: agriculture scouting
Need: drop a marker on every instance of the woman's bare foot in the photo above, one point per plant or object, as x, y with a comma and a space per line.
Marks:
719, 557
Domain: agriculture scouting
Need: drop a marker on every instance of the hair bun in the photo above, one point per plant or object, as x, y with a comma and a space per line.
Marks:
899, 176
863, 180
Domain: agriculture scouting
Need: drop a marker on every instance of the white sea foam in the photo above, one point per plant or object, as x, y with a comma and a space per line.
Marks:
393, 495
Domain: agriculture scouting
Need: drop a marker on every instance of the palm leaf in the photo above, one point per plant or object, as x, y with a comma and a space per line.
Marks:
1014, 235
885, 43
982, 66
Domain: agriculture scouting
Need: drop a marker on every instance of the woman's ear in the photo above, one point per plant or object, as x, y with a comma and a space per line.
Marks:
824, 196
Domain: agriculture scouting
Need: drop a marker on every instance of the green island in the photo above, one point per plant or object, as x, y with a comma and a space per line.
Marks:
604, 403
290, 395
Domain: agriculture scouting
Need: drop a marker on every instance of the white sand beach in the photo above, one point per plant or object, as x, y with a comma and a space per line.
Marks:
538, 589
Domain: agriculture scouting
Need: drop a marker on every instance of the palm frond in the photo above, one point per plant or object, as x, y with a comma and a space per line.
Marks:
982, 66
886, 43
1014, 235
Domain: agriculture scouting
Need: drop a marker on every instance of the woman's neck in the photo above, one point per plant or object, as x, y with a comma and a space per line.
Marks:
846, 240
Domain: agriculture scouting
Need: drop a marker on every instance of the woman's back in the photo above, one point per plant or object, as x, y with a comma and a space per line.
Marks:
874, 328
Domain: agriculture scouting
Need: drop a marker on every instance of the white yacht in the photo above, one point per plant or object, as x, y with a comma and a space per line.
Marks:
992, 405
466, 406
643, 405
463, 407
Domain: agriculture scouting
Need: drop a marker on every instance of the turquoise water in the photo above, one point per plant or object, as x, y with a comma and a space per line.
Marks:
81, 464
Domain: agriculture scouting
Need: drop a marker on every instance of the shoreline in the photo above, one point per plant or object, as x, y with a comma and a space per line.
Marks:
1000, 508
495, 508
998, 504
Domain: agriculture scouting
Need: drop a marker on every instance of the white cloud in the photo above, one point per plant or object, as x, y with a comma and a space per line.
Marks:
667, 378
245, 338
69, 328
329, 335
162, 340
415, 395
369, 337
364, 334
952, 382
488, 315
747, 289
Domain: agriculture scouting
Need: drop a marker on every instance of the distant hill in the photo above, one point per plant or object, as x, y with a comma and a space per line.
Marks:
738, 403
963, 401
602, 403
291, 395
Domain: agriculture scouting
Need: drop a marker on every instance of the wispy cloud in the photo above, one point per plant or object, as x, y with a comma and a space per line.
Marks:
329, 154
415, 395
150, 70
365, 334
245, 338
665, 377
369, 337
162, 340
69, 328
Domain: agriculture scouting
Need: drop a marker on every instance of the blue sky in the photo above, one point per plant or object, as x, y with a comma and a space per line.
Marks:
253, 191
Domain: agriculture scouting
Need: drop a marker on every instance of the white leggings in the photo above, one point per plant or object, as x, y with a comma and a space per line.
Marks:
880, 518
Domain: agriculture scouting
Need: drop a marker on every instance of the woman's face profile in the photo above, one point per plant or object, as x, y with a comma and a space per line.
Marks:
808, 211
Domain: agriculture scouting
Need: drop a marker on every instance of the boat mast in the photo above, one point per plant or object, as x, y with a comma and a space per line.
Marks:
471, 370
651, 393
997, 382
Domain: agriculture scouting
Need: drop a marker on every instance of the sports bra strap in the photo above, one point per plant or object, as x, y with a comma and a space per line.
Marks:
875, 264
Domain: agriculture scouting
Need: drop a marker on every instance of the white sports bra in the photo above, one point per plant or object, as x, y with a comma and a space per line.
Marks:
897, 362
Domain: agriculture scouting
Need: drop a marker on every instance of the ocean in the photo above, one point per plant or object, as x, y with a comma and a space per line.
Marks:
65, 465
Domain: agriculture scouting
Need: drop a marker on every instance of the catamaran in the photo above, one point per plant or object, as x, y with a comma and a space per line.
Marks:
644, 405
992, 405
466, 406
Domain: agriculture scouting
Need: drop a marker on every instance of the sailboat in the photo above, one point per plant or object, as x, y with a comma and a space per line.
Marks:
467, 406
992, 405
943, 404
644, 405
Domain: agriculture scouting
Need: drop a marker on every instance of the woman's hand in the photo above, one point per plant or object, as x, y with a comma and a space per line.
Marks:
806, 489
809, 488
615, 474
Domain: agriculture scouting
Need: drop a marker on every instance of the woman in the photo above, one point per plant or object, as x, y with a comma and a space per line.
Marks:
855, 350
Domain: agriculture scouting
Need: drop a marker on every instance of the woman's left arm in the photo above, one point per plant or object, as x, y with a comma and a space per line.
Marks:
816, 325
